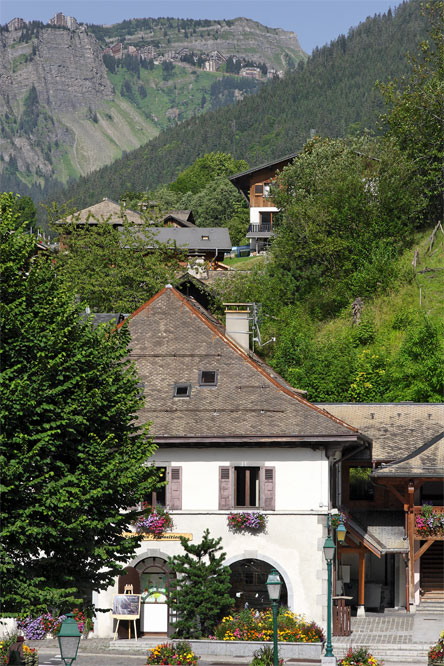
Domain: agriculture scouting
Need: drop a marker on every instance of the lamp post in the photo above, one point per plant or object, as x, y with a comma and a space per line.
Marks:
329, 549
274, 585
69, 639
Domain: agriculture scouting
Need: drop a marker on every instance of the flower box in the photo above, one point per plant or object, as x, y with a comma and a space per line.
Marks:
301, 651
247, 521
430, 522
155, 521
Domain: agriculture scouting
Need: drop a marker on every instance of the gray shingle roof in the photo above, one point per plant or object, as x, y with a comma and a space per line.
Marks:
382, 531
183, 217
427, 460
172, 340
397, 429
103, 210
193, 238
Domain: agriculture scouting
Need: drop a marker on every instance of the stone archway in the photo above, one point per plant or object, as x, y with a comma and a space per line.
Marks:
248, 578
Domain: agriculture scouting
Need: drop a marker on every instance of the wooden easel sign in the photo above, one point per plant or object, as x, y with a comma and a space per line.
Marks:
126, 607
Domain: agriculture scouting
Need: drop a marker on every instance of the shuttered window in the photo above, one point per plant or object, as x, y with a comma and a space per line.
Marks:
175, 488
247, 487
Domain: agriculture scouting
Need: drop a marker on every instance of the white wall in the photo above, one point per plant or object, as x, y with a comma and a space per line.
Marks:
254, 213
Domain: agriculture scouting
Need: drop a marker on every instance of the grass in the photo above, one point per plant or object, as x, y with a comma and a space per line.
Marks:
244, 263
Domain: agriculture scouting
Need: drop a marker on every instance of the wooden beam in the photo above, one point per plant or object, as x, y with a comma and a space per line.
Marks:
395, 492
411, 535
423, 549
361, 579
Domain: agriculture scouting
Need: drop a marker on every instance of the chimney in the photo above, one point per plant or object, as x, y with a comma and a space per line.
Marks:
237, 324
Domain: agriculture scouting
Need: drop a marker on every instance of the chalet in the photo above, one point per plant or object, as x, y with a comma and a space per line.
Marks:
106, 210
254, 185
390, 558
232, 436
179, 218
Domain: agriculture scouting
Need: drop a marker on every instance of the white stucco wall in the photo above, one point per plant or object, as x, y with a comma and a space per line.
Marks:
295, 533
254, 213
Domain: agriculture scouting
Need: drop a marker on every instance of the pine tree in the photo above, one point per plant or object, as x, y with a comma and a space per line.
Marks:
200, 595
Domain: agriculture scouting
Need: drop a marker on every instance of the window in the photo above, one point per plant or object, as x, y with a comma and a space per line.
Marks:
246, 487
169, 495
158, 496
360, 485
258, 189
205, 238
266, 190
266, 218
207, 377
182, 391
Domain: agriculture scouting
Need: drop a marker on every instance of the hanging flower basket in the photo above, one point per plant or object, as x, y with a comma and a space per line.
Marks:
430, 522
245, 521
155, 521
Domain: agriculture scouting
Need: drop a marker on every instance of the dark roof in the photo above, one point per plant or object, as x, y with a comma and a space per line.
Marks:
107, 209
183, 217
195, 238
172, 340
397, 429
426, 461
242, 180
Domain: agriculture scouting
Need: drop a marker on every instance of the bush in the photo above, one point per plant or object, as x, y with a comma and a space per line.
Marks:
264, 657
359, 656
177, 654
254, 625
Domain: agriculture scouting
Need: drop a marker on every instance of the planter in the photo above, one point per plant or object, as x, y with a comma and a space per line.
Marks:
303, 651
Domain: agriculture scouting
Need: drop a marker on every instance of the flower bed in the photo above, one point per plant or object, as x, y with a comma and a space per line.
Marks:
436, 652
37, 628
253, 625
359, 657
430, 522
14, 651
155, 521
177, 654
246, 521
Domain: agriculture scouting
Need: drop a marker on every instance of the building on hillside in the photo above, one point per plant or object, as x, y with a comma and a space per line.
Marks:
64, 21
254, 185
179, 218
106, 210
390, 560
251, 72
16, 24
232, 436
117, 50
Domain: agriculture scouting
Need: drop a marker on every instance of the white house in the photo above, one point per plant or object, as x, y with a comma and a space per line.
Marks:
231, 436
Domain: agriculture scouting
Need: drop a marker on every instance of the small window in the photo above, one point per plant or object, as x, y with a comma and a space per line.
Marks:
207, 377
182, 391
246, 489
158, 497
258, 189
205, 238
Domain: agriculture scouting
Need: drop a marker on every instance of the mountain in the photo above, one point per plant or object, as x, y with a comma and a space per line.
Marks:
333, 93
75, 98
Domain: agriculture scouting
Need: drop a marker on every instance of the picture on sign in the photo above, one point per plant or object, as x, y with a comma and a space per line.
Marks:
126, 606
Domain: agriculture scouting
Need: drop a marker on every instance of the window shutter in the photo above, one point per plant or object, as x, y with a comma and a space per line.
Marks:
269, 488
224, 488
175, 488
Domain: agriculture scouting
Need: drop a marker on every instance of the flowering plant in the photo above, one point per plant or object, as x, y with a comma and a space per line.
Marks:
265, 657
35, 629
247, 521
177, 654
430, 522
359, 657
254, 625
436, 652
155, 521
336, 519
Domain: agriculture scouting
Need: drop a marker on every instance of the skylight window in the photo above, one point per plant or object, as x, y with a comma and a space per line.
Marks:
207, 377
182, 390
205, 238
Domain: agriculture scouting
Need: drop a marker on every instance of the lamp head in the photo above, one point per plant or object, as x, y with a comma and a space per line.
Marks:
329, 549
341, 531
69, 639
274, 585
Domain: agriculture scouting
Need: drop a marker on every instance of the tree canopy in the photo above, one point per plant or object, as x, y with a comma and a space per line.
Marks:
73, 456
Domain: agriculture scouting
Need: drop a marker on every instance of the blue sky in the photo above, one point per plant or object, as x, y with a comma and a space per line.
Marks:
316, 22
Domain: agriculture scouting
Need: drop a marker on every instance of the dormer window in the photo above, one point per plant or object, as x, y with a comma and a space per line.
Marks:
205, 238
182, 390
207, 377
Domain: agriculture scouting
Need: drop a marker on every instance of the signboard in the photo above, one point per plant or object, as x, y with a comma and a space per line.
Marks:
126, 606
166, 536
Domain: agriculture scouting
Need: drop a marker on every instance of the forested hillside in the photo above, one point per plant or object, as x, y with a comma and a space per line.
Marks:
333, 93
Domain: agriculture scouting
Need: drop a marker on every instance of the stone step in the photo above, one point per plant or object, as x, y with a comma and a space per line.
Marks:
388, 652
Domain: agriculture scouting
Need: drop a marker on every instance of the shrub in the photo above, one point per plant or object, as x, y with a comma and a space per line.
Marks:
254, 625
178, 654
264, 657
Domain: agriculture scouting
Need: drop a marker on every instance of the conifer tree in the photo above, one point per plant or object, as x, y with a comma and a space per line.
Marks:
200, 594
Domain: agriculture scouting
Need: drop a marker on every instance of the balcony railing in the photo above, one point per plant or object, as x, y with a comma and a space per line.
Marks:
259, 228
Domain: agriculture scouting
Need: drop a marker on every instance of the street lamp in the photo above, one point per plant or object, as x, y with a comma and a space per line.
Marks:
274, 585
329, 549
69, 639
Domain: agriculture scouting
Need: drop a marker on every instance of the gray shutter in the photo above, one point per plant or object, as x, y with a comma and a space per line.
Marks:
268, 502
175, 488
225, 475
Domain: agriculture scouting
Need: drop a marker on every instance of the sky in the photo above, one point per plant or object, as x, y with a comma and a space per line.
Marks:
315, 22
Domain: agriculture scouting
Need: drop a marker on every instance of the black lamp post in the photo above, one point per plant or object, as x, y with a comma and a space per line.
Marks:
274, 585
69, 639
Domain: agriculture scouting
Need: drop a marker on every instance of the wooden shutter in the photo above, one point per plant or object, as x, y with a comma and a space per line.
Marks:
175, 488
268, 502
225, 477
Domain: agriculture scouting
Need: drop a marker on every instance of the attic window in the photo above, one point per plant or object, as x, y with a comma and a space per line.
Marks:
205, 238
182, 391
207, 377
258, 189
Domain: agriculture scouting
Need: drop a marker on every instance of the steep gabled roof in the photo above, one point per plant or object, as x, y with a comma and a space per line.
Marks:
102, 211
184, 218
242, 180
397, 429
172, 340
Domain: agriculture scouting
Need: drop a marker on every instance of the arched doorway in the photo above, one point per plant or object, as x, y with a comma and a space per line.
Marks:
153, 584
248, 584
